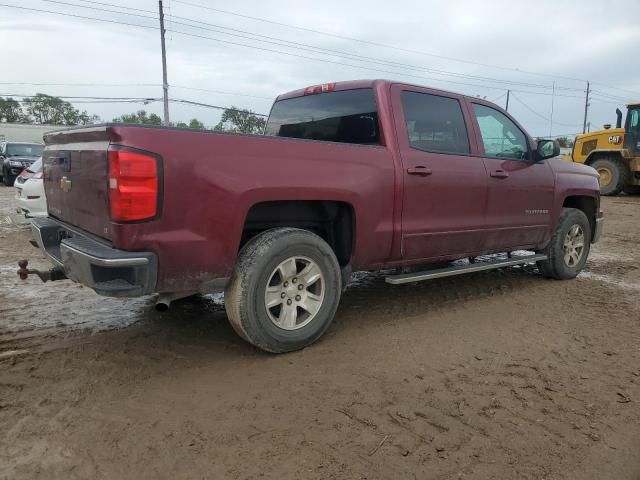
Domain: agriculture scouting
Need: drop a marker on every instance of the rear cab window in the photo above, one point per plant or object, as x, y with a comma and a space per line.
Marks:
344, 116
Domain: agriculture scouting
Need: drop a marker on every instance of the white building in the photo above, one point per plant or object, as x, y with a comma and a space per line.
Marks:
20, 132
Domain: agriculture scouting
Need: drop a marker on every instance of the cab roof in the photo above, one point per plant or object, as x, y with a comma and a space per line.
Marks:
353, 84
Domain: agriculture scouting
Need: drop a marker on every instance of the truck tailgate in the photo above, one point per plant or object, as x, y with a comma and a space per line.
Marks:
76, 178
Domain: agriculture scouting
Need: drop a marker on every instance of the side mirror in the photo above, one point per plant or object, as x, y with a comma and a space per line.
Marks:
547, 149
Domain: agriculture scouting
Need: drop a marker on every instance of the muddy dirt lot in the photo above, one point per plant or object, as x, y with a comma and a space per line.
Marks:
499, 375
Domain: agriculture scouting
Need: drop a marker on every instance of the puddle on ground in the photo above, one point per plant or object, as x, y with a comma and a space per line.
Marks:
609, 280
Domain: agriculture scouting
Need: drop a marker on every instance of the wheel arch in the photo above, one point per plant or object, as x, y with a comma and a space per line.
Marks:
587, 204
334, 221
598, 154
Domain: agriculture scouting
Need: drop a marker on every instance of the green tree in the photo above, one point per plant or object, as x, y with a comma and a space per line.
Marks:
195, 123
10, 110
240, 121
140, 117
565, 142
144, 118
48, 110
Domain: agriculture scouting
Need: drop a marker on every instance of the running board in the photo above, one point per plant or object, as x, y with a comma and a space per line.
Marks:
462, 269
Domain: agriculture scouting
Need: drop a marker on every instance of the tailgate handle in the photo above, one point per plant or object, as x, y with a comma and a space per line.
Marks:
64, 160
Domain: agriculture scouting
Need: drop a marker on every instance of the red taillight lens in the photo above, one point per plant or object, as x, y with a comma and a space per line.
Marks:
325, 87
24, 173
133, 185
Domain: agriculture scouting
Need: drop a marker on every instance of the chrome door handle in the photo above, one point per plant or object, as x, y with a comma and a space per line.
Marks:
419, 170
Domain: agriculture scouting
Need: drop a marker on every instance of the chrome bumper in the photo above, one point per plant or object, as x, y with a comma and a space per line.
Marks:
91, 262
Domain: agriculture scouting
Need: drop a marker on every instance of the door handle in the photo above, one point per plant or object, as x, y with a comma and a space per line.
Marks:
499, 174
419, 170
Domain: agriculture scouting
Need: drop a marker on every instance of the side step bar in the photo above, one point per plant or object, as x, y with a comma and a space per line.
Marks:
462, 269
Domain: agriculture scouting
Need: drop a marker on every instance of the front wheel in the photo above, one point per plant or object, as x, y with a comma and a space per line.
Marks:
284, 291
569, 247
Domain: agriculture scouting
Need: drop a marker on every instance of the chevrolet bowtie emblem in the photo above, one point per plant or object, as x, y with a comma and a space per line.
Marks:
65, 184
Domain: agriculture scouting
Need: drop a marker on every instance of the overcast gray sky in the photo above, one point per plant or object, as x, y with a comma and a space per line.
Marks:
455, 45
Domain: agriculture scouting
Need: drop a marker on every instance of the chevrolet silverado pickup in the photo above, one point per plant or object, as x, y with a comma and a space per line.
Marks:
359, 175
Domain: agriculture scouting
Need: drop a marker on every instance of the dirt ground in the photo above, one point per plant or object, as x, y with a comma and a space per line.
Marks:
500, 375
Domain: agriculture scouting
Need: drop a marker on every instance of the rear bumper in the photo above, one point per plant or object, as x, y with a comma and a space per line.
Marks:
91, 262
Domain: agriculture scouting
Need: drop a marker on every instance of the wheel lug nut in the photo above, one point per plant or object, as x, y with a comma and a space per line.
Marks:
294, 280
286, 284
289, 302
298, 297
300, 287
282, 295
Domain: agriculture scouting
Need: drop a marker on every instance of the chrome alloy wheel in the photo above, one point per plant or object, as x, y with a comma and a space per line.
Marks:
294, 293
574, 243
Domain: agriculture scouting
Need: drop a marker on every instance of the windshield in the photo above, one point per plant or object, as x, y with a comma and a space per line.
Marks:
632, 127
347, 116
24, 150
35, 166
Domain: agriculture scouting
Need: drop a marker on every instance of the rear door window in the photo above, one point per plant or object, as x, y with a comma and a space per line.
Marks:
346, 116
435, 123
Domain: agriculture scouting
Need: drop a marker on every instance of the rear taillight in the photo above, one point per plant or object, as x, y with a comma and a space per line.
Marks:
24, 173
37, 175
324, 88
133, 185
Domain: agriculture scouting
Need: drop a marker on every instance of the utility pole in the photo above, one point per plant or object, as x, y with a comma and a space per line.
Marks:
507, 106
553, 95
586, 109
165, 84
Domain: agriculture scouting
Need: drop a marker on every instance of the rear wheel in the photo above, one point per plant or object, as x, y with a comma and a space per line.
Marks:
569, 247
614, 175
284, 291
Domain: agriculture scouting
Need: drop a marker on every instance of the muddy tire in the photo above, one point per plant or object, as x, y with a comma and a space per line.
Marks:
569, 247
284, 291
614, 175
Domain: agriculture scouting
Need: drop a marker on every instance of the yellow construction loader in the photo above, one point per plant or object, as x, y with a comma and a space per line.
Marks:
614, 153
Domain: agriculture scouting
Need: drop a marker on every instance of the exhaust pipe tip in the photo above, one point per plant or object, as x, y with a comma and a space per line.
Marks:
164, 300
162, 306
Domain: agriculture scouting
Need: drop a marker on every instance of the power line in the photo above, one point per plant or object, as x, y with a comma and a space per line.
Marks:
353, 39
127, 7
332, 61
539, 114
301, 46
393, 47
77, 16
217, 107
222, 92
352, 56
311, 30
100, 9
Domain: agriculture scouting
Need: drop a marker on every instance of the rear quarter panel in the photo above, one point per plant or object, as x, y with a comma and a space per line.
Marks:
211, 181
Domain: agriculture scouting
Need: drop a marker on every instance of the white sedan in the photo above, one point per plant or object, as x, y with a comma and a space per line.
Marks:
30, 191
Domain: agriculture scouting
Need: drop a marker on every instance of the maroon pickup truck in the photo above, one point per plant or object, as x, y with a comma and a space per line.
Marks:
363, 175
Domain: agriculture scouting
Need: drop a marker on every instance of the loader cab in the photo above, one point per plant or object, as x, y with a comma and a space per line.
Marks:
632, 129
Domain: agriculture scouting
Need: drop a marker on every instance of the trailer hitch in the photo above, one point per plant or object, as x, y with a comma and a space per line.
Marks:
49, 275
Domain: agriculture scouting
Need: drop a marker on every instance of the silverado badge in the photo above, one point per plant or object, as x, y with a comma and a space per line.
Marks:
65, 184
